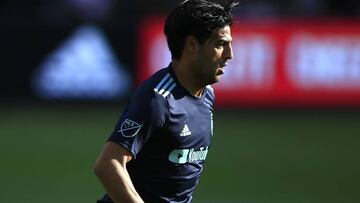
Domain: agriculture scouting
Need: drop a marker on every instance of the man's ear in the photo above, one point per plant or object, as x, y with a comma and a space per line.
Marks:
191, 45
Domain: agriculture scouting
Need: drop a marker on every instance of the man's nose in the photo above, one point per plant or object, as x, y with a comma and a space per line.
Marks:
228, 52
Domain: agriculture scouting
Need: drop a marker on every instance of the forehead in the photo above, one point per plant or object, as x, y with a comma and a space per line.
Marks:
222, 33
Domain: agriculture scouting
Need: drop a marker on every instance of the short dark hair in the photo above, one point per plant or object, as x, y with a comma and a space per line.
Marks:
198, 18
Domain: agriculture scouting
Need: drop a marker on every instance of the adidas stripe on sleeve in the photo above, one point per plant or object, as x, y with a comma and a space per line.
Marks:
165, 86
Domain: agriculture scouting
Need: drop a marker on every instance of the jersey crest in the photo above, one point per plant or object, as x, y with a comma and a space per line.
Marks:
129, 128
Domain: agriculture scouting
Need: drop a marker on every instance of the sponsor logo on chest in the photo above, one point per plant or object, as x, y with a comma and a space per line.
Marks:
182, 156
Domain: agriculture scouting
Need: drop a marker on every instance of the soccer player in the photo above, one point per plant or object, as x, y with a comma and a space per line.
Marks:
157, 150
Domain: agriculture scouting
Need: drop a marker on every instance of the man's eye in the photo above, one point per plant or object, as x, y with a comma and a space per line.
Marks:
220, 44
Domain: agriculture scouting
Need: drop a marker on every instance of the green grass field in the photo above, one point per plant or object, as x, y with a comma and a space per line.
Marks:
47, 155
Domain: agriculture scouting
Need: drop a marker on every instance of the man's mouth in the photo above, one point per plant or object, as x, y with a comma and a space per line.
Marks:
222, 68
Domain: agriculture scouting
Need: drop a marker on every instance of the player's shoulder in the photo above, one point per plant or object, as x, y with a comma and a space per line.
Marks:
210, 94
158, 86
210, 90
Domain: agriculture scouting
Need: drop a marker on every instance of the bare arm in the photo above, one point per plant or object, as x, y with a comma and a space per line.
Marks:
110, 168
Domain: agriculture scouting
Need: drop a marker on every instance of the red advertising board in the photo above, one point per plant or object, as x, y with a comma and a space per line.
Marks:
276, 64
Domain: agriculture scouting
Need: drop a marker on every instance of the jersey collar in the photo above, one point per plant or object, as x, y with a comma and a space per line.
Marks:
170, 69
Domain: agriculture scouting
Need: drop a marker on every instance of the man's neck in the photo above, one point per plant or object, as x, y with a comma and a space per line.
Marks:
187, 78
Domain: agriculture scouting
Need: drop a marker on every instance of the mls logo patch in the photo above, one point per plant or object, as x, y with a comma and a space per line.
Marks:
129, 128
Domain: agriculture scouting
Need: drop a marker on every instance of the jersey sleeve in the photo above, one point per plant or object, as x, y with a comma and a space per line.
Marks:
145, 113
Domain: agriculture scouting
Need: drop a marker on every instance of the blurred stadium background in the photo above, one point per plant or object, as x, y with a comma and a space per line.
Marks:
287, 121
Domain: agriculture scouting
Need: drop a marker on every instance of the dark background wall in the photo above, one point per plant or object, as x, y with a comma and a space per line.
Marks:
29, 30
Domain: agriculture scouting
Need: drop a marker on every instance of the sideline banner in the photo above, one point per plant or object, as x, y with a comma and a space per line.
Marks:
276, 64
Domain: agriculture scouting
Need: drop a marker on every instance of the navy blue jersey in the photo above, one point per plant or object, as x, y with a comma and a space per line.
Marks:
169, 132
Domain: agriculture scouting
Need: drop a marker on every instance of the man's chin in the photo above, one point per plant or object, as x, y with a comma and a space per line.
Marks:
213, 80
216, 79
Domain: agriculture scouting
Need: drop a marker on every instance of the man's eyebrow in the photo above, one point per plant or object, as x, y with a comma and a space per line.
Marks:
224, 39
218, 38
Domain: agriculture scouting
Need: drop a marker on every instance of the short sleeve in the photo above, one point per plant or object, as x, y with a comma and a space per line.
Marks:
145, 113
